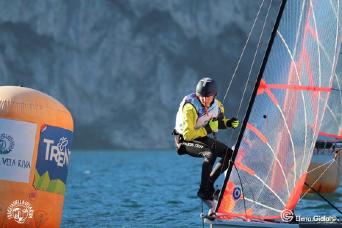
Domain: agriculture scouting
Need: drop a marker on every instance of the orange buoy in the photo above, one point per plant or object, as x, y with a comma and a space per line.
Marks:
35, 140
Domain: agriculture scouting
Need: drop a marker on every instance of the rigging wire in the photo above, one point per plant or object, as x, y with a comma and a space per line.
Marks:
202, 215
235, 71
325, 199
320, 176
255, 54
243, 51
338, 90
328, 162
242, 190
253, 62
250, 71
243, 97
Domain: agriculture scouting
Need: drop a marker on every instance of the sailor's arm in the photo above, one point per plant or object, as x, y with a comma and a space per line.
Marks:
189, 121
223, 121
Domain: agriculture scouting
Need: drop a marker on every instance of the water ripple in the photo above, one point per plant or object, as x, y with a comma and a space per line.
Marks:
145, 189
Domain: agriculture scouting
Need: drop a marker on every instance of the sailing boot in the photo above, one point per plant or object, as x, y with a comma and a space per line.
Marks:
211, 187
205, 191
204, 195
214, 192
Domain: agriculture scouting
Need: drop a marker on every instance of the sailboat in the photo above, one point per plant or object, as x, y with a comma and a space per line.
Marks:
325, 169
273, 151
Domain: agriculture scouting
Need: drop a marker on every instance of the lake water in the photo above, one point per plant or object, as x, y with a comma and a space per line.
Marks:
145, 189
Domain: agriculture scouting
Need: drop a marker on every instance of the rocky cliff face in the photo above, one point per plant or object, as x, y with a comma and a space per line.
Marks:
122, 67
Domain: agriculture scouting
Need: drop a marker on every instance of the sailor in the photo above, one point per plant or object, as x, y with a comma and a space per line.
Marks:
199, 115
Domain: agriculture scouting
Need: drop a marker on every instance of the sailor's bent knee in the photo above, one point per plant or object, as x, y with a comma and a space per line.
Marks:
208, 156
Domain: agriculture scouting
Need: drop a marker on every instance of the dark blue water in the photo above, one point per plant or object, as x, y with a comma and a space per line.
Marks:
145, 189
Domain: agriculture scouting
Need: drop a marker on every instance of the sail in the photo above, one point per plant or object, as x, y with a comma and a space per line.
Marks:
331, 129
276, 142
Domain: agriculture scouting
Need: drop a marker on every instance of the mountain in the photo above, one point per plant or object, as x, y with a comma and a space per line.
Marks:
122, 67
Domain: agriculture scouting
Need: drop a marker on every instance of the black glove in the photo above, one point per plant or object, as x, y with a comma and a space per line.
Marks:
233, 123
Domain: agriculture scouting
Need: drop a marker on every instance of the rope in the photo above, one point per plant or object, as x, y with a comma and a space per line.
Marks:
250, 70
243, 51
325, 199
243, 97
243, 192
237, 66
255, 54
330, 161
320, 176
256, 51
202, 215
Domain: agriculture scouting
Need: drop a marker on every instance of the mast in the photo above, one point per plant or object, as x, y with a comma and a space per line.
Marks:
250, 105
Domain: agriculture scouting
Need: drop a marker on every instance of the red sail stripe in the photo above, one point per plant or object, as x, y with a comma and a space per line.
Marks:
308, 68
295, 193
271, 95
306, 64
257, 132
264, 86
308, 27
237, 215
247, 141
330, 135
299, 87
243, 167
306, 58
311, 31
227, 202
239, 164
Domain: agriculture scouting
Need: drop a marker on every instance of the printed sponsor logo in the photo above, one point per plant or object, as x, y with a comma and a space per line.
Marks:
20, 211
9, 162
58, 153
53, 159
190, 144
16, 150
286, 215
237, 193
6, 143
6, 146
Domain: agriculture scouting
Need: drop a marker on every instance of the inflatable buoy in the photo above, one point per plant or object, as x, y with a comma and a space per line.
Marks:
35, 141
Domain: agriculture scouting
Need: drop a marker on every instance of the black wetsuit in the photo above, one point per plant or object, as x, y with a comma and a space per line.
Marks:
209, 149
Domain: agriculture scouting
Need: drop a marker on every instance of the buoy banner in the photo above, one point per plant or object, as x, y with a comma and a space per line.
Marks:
17, 139
53, 159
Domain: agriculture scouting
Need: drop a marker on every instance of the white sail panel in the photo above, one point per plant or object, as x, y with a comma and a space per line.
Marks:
277, 144
331, 129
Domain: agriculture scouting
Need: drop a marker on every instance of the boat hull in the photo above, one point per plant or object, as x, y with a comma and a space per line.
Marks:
240, 224
330, 180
